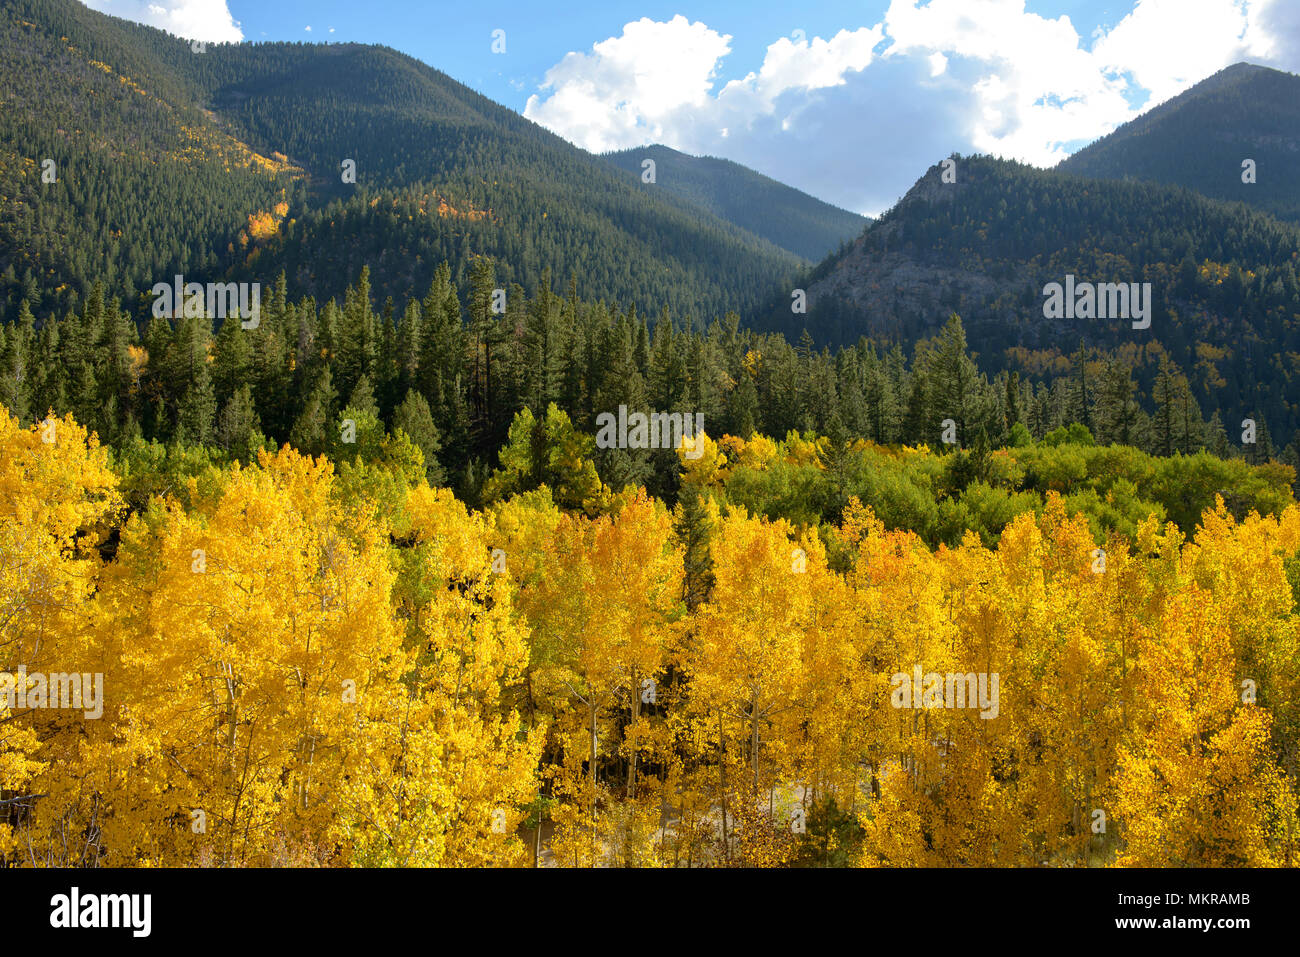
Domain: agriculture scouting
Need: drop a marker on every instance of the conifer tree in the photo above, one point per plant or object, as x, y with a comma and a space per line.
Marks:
413, 417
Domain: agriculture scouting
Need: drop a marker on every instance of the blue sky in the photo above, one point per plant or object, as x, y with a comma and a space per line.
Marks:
849, 101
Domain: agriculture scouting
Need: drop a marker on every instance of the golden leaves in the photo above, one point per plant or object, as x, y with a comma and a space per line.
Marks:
330, 682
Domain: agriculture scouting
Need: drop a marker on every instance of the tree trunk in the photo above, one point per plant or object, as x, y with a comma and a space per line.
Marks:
593, 779
636, 713
722, 779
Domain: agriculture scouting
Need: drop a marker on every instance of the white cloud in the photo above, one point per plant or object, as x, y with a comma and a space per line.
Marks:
633, 88
655, 82
1168, 45
854, 117
815, 65
207, 20
1037, 88
1276, 25
1030, 86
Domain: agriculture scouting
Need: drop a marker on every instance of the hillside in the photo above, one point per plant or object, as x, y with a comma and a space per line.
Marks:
1225, 297
145, 183
228, 162
988, 560
1200, 138
225, 163
786, 217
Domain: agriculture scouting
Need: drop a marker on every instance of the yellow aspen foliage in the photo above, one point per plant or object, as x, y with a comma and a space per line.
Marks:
759, 452
1196, 786
57, 495
1064, 679
280, 664
441, 777
246, 643
937, 769
137, 363
745, 665
801, 450
1243, 566
829, 731
603, 617
703, 462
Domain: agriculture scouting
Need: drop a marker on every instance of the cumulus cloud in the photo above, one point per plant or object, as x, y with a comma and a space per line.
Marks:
655, 82
1278, 27
1028, 85
885, 101
207, 20
1168, 45
634, 88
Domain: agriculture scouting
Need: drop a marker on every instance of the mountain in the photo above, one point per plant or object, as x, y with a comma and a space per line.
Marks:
128, 156
1224, 294
109, 166
228, 161
1200, 138
784, 216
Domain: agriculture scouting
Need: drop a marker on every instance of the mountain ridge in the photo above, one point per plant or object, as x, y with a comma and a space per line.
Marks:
411, 130
788, 217
1201, 137
1224, 278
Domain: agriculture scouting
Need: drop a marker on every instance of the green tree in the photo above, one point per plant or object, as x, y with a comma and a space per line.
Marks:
414, 418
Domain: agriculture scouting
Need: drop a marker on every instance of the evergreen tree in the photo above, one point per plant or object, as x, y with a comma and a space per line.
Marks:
311, 429
197, 413
363, 398
1216, 437
414, 418
1080, 394
1164, 423
239, 430
1011, 401
1116, 407
17, 365
952, 378
357, 346
918, 428
410, 334
693, 524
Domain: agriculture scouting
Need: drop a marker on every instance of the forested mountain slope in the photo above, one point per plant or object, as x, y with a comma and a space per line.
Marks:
109, 166
1224, 295
785, 216
1201, 138
230, 160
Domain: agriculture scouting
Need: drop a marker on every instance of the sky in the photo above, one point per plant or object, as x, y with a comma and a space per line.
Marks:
847, 101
